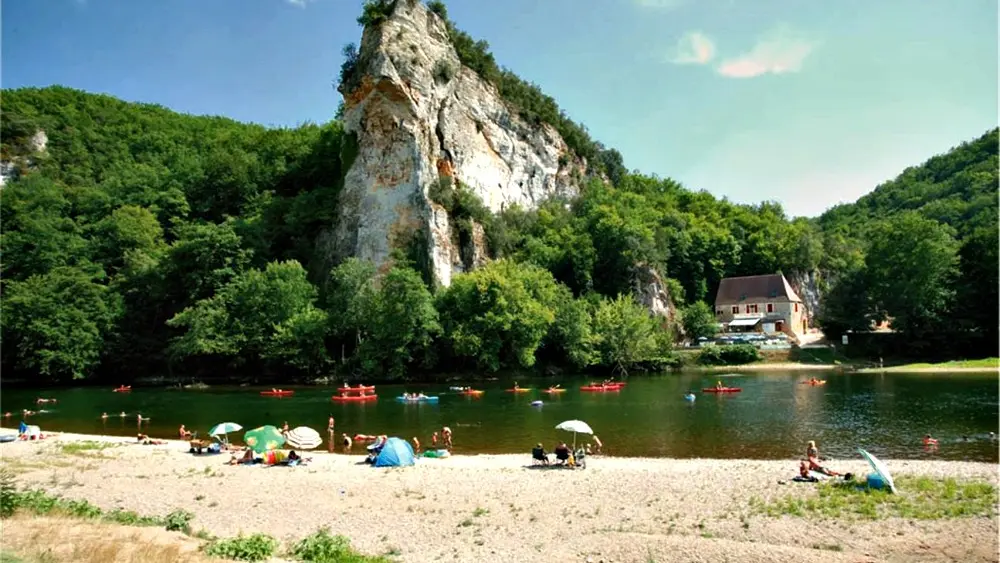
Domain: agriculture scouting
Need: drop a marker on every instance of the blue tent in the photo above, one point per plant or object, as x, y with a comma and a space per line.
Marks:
395, 453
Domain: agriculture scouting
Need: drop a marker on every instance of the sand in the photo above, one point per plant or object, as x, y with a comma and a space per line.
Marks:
500, 508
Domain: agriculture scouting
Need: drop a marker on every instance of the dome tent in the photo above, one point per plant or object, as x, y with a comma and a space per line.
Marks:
395, 453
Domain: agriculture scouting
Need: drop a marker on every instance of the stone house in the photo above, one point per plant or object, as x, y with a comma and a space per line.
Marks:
765, 303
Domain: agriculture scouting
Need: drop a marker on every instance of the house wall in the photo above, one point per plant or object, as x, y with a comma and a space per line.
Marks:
793, 313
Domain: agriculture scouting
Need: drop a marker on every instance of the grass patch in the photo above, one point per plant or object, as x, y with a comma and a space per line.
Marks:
85, 447
983, 364
919, 498
40, 503
322, 547
256, 547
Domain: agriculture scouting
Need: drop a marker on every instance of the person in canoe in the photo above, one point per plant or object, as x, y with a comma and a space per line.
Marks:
516, 386
719, 385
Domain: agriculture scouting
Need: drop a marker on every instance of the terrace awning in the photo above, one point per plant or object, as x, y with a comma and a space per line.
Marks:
744, 322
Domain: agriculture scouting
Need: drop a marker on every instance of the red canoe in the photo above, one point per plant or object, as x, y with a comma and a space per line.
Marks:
723, 390
278, 393
123, 389
600, 388
357, 389
348, 398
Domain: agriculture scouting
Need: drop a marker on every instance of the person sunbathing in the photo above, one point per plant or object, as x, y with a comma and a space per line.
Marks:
246, 459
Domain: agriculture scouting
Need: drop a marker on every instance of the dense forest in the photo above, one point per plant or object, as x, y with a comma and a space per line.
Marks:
141, 241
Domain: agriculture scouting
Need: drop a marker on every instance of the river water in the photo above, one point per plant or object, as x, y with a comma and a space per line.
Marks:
772, 417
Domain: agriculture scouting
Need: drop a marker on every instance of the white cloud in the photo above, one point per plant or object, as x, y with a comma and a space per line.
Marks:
778, 52
694, 47
660, 4
299, 3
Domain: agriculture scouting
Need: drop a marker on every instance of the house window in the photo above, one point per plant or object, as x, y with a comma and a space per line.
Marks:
736, 309
770, 307
796, 307
718, 312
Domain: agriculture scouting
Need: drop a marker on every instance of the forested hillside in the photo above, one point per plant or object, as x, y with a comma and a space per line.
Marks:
141, 241
926, 250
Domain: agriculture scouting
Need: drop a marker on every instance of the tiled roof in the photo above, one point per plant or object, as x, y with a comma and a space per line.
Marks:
772, 287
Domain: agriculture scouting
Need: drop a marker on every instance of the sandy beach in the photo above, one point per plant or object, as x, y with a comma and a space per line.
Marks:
500, 508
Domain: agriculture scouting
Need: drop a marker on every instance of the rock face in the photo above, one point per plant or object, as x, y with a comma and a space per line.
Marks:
806, 285
11, 166
419, 117
650, 290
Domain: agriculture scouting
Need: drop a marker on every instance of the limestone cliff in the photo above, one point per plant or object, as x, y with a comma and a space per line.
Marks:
22, 156
420, 116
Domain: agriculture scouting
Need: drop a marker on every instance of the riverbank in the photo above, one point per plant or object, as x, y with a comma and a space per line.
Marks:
985, 365
766, 366
501, 508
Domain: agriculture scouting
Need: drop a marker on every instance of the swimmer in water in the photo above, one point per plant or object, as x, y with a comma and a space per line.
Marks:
122, 414
928, 441
7, 414
104, 416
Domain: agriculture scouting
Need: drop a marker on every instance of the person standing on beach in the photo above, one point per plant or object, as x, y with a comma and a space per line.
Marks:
416, 445
434, 440
597, 444
330, 433
446, 434
347, 443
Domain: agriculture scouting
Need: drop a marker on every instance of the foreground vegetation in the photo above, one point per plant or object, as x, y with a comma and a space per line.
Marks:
141, 240
321, 547
919, 498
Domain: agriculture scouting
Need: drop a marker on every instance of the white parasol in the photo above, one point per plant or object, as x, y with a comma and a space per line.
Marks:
303, 438
879, 468
576, 427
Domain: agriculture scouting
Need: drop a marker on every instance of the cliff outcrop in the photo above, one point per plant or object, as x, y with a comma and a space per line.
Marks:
421, 119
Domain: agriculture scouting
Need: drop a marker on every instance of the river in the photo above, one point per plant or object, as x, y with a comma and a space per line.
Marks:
772, 417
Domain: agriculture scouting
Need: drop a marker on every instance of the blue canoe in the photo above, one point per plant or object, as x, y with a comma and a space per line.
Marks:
402, 399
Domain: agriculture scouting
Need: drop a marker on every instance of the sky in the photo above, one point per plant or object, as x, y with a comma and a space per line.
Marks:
803, 102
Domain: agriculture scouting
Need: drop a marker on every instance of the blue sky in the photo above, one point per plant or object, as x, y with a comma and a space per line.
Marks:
808, 103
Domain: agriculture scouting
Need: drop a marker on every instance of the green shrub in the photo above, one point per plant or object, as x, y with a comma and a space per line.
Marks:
257, 547
734, 355
443, 72
179, 521
375, 12
322, 547
8, 494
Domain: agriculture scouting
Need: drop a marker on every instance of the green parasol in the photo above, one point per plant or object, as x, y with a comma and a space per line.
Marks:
264, 438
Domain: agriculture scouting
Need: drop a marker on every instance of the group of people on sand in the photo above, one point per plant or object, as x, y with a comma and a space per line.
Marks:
812, 463
564, 455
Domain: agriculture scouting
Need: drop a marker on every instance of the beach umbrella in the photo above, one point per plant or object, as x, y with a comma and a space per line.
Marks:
879, 468
224, 428
303, 438
576, 427
264, 438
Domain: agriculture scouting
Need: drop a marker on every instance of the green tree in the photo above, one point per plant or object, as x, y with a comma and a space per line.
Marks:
698, 320
56, 324
399, 324
257, 315
497, 315
911, 271
627, 334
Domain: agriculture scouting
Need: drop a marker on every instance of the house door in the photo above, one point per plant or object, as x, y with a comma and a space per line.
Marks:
779, 326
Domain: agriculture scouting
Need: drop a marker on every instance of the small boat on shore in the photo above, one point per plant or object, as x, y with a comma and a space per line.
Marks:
122, 389
353, 398
277, 393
